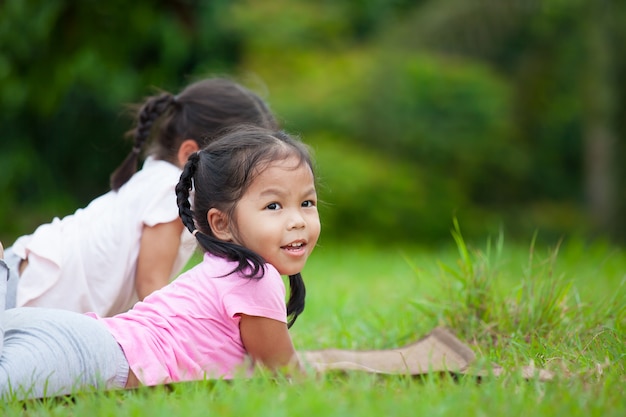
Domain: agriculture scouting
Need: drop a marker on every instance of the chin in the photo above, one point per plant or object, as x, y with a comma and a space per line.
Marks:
290, 271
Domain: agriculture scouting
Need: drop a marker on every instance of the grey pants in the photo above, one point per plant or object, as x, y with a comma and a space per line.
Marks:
49, 352
13, 264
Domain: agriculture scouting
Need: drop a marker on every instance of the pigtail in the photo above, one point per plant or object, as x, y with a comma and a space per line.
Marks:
183, 190
297, 293
149, 113
251, 264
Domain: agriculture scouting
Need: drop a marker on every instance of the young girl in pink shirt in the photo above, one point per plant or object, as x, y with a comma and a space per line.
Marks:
254, 213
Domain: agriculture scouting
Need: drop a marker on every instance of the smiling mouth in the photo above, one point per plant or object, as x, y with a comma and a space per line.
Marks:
294, 246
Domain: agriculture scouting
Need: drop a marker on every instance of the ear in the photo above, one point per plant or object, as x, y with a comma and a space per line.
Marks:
186, 148
219, 225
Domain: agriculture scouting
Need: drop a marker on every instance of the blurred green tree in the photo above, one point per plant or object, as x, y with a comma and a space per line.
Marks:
66, 69
419, 110
562, 58
530, 138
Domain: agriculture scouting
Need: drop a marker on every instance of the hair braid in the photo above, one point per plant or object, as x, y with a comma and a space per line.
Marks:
183, 190
149, 113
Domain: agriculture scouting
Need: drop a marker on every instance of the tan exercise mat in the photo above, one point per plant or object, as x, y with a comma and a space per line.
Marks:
438, 351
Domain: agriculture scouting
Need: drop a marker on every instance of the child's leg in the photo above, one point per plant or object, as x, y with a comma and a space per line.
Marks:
12, 262
50, 352
4, 278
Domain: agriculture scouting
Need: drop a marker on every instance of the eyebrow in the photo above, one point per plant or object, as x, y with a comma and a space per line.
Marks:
276, 191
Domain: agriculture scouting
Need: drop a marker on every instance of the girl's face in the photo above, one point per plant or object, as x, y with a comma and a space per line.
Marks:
277, 216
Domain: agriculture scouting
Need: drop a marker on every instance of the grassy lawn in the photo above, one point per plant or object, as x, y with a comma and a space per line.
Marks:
562, 308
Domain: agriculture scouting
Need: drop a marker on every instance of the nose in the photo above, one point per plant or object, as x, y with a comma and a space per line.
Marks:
296, 221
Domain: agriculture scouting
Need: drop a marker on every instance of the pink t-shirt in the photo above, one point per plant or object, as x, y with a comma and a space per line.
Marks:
189, 330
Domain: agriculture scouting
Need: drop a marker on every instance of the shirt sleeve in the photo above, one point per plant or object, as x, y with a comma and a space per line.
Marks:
162, 207
263, 297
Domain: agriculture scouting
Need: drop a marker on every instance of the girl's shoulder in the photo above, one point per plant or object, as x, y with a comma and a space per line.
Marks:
212, 284
153, 169
223, 270
224, 267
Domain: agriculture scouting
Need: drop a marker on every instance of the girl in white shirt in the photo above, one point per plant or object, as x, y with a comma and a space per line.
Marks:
130, 241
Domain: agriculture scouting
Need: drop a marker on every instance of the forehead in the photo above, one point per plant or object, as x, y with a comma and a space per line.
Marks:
289, 163
291, 170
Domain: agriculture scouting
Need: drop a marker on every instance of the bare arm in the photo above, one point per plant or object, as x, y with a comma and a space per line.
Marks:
157, 254
268, 342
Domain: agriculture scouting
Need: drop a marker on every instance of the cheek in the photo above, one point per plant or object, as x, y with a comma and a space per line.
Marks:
315, 226
257, 232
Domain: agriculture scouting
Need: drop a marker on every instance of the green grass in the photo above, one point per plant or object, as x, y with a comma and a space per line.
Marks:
561, 307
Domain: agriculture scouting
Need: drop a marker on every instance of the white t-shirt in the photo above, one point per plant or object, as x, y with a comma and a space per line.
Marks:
86, 261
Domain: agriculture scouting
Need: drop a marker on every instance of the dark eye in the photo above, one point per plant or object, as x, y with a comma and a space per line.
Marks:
273, 206
308, 203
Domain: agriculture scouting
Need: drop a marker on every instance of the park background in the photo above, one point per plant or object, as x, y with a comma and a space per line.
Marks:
441, 129
508, 115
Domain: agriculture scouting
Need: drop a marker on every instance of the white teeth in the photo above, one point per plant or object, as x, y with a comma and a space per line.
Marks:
295, 245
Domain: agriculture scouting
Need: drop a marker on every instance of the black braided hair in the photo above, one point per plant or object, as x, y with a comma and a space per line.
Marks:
297, 294
183, 188
249, 263
149, 113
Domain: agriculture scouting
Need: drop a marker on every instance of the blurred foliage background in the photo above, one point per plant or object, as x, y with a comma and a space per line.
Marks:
506, 114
